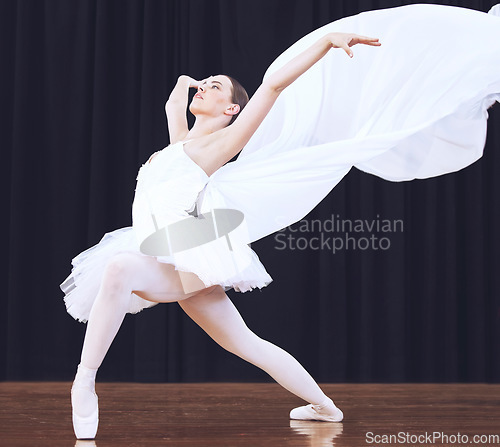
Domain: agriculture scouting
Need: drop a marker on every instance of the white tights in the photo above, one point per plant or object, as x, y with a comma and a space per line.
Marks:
127, 272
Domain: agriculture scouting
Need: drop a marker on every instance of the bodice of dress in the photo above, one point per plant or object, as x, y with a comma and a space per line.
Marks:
168, 186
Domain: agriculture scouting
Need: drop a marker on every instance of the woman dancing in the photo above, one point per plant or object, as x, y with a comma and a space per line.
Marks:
312, 119
200, 151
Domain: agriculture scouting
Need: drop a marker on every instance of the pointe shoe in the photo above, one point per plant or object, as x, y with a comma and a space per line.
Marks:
84, 402
317, 413
84, 425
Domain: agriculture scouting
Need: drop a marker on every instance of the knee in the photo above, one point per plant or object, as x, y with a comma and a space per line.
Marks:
118, 270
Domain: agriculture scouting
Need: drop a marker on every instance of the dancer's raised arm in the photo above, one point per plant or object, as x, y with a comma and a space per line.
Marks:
233, 138
175, 108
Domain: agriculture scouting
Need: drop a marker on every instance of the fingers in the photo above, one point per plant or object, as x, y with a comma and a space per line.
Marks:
194, 83
373, 41
355, 39
345, 46
345, 41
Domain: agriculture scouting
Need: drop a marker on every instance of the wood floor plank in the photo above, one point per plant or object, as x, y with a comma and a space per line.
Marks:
243, 414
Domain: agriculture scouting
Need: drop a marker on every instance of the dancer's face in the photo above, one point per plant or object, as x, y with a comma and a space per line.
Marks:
214, 98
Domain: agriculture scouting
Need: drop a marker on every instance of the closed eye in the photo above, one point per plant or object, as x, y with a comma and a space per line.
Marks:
217, 85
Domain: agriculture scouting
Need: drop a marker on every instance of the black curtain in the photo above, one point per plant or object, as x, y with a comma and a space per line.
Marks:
83, 87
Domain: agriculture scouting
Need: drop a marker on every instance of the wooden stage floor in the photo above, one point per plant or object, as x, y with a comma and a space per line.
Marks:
235, 414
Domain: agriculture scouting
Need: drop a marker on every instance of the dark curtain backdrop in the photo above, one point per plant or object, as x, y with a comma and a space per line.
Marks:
83, 87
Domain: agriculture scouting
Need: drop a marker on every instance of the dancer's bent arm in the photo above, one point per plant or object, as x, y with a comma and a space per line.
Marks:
175, 108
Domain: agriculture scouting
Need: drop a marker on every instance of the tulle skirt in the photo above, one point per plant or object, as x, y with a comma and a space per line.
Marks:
239, 268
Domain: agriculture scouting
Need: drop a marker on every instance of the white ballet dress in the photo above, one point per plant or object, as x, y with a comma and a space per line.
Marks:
415, 107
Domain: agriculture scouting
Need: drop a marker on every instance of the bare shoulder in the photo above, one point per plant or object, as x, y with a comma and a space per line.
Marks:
212, 151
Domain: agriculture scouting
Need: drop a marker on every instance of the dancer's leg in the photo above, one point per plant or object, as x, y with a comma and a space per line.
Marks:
215, 314
125, 273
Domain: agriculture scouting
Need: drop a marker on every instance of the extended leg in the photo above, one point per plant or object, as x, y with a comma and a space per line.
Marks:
216, 315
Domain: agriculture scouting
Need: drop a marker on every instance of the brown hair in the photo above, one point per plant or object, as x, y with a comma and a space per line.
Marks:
239, 96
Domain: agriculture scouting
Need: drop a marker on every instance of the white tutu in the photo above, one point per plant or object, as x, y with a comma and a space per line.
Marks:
215, 267
81, 286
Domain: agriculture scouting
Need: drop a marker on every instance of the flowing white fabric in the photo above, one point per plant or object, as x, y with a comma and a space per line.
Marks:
415, 107
495, 10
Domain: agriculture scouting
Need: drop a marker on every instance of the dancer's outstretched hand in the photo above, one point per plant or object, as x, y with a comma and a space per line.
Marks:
347, 40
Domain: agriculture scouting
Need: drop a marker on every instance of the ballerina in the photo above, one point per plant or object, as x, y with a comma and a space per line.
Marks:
167, 182
414, 108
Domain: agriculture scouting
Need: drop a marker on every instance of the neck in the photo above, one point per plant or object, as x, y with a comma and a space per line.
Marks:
204, 125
